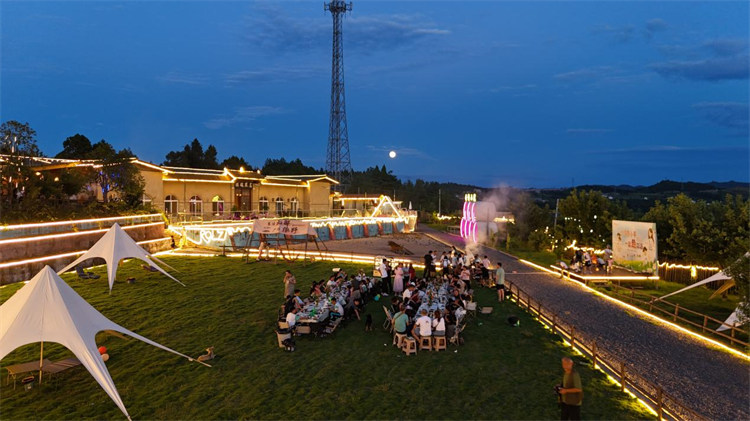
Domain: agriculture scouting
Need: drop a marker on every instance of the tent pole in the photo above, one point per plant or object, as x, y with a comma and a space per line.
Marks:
41, 359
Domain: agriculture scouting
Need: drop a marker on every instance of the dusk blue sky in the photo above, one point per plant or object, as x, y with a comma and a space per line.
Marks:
538, 94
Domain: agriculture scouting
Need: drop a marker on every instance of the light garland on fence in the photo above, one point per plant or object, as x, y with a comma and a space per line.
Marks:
666, 265
71, 234
591, 249
645, 313
75, 222
60, 256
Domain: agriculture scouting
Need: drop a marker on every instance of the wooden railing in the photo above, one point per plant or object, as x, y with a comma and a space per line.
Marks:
706, 327
673, 311
665, 405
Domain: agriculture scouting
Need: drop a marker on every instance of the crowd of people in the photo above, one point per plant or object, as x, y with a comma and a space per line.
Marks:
584, 261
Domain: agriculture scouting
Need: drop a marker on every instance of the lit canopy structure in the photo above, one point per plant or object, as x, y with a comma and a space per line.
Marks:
114, 246
48, 310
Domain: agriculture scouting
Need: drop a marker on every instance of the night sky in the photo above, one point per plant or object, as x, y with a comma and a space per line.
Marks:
540, 94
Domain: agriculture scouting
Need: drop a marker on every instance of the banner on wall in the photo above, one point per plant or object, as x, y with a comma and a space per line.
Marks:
634, 245
283, 226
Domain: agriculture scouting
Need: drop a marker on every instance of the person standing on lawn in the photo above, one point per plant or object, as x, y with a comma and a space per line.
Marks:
571, 392
500, 282
385, 277
290, 282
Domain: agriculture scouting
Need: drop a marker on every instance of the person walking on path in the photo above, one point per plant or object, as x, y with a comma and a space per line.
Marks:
290, 282
427, 265
571, 392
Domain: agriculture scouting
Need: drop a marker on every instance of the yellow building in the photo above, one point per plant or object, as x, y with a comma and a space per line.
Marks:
202, 194
190, 193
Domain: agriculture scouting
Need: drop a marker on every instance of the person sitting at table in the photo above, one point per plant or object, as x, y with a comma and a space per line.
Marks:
438, 323
395, 304
457, 300
337, 310
298, 300
423, 325
291, 319
408, 292
400, 320
331, 282
288, 304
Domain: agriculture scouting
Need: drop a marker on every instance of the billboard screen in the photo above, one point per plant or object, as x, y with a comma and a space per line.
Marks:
634, 245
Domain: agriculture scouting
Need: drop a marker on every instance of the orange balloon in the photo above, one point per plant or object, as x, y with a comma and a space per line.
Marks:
102, 350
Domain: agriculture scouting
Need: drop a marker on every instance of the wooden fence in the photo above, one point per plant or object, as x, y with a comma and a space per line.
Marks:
672, 311
665, 405
700, 323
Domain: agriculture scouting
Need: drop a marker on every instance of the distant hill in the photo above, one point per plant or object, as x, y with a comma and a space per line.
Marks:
641, 198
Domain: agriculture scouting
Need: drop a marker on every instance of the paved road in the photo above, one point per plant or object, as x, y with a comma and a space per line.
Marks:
714, 383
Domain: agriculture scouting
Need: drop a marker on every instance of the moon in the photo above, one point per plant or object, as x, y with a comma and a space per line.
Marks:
392, 154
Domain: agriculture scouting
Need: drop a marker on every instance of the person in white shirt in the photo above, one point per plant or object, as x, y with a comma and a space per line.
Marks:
385, 278
291, 318
424, 324
338, 308
408, 292
438, 324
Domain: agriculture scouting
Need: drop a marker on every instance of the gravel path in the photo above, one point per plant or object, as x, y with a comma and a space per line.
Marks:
712, 382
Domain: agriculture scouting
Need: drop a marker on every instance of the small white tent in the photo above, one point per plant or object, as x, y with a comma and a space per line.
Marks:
114, 246
48, 310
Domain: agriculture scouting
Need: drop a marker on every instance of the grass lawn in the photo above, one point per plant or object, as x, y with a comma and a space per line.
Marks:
500, 373
543, 258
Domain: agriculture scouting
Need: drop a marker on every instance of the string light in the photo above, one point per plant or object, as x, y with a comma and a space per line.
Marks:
63, 255
75, 222
71, 234
645, 313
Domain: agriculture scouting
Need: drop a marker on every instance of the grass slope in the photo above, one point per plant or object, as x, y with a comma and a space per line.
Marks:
500, 373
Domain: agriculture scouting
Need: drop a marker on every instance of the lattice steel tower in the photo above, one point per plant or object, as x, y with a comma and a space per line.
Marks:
338, 162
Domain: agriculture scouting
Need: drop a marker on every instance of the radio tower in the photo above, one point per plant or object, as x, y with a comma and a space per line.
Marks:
338, 163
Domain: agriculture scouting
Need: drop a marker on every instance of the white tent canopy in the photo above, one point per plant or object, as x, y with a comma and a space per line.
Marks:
48, 310
721, 276
114, 246
733, 319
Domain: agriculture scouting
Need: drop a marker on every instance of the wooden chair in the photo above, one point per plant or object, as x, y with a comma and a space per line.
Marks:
388, 323
409, 346
439, 343
471, 308
398, 339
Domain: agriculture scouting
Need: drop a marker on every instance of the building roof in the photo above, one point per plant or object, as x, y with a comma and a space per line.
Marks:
170, 173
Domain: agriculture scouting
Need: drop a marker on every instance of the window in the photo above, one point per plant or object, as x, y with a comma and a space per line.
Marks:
145, 200
170, 205
196, 206
279, 205
263, 204
294, 206
217, 205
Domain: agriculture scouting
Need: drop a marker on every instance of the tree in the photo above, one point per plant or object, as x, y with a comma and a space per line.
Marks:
18, 139
117, 173
77, 146
282, 167
586, 217
235, 162
739, 270
193, 156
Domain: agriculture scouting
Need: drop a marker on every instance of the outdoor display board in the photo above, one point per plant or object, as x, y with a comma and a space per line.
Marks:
283, 226
634, 245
